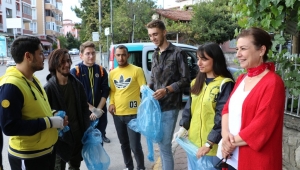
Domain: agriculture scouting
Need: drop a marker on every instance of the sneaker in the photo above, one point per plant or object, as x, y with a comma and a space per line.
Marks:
125, 169
105, 139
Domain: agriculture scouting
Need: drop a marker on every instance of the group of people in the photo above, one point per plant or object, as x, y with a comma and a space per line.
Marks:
29, 111
240, 123
245, 118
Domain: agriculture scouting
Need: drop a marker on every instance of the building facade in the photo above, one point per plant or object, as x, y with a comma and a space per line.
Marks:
41, 18
69, 26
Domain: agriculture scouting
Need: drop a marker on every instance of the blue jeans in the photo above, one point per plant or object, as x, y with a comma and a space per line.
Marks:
130, 140
169, 119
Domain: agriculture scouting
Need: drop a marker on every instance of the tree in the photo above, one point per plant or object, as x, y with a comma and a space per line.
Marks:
271, 15
89, 18
72, 41
212, 21
129, 18
277, 17
62, 41
123, 19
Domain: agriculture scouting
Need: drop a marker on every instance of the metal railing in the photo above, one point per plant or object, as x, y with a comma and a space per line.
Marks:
292, 102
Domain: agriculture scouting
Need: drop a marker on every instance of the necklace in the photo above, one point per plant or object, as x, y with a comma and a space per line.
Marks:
259, 69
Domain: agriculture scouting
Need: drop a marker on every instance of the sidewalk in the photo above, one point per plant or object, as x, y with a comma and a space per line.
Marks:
180, 159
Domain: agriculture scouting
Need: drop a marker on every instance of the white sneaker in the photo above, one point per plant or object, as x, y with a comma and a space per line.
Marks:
125, 169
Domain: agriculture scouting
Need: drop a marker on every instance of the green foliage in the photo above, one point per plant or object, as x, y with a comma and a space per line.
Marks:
123, 20
272, 16
212, 21
62, 41
124, 23
54, 46
68, 42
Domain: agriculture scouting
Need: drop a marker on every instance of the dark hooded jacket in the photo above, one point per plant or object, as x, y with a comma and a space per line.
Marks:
56, 99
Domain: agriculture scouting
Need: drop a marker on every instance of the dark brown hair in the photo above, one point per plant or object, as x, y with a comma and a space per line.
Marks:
85, 45
260, 38
214, 51
156, 24
55, 59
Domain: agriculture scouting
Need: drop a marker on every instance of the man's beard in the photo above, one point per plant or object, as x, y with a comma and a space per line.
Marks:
35, 66
64, 74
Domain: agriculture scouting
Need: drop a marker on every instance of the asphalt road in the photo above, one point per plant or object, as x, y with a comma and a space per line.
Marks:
113, 149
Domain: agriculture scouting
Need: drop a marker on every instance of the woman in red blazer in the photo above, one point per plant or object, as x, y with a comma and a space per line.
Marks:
252, 118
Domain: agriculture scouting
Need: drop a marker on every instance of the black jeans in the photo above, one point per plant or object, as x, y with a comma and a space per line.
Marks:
130, 141
102, 124
45, 162
75, 161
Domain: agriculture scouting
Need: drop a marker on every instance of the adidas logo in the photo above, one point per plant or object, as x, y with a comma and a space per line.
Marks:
121, 84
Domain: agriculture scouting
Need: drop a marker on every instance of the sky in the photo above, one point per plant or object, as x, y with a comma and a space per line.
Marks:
69, 14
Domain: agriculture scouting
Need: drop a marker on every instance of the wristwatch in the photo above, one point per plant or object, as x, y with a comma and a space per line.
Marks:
208, 145
167, 90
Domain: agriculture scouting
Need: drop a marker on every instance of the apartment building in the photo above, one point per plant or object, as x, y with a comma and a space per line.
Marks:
47, 17
15, 9
41, 18
69, 26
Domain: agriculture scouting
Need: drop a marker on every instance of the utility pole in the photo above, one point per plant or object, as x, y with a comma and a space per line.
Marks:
100, 29
132, 37
111, 23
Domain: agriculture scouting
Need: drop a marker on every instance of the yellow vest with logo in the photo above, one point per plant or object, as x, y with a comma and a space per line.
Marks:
203, 112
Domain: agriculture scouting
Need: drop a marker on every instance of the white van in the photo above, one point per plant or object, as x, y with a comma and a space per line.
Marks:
141, 55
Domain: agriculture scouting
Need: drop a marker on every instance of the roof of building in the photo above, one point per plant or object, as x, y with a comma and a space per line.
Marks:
176, 15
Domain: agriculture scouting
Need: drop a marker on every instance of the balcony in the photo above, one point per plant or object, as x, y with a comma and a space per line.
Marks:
26, 17
58, 23
27, 32
27, 1
50, 6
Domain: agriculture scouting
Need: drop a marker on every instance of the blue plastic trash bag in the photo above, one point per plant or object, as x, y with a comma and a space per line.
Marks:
62, 114
204, 163
93, 152
148, 121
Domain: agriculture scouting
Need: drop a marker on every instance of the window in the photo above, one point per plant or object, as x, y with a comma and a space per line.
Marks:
48, 13
53, 26
192, 63
47, 1
48, 26
135, 58
18, 6
33, 3
149, 59
33, 10
8, 1
33, 27
27, 9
